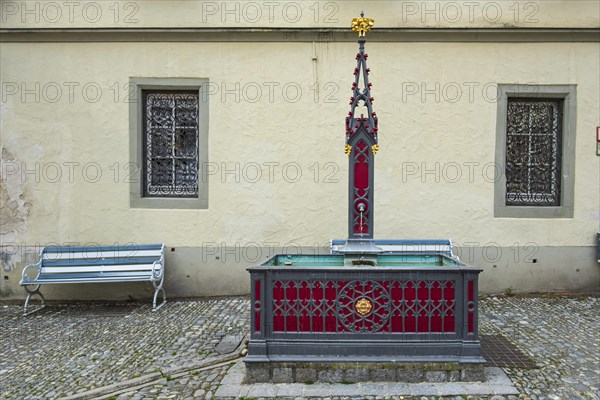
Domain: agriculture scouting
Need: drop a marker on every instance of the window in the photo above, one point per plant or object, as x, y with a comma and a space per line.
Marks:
169, 122
170, 143
535, 151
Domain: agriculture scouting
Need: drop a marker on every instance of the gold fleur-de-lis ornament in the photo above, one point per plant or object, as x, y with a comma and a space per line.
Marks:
362, 25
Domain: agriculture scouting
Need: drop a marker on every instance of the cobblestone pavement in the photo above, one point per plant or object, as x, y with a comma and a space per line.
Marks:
194, 385
561, 334
66, 349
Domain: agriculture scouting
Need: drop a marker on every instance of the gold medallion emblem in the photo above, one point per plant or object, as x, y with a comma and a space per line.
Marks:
363, 306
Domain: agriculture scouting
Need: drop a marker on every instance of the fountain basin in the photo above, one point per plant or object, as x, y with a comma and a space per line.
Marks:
395, 309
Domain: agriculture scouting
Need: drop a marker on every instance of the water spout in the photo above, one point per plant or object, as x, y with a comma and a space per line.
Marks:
361, 208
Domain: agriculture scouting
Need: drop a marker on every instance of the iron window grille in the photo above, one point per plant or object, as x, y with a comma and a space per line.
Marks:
170, 145
533, 152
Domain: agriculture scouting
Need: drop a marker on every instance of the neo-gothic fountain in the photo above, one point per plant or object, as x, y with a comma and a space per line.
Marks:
391, 309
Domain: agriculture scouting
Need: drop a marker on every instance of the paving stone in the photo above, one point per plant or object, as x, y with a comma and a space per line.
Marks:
304, 375
453, 388
229, 343
316, 390
420, 389
346, 390
374, 388
454, 376
228, 390
282, 375
472, 375
262, 390
407, 375
436, 376
291, 390
331, 376
257, 374
383, 375
479, 388
356, 375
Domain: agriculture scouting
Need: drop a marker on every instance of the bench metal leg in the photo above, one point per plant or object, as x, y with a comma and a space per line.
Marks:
164, 296
30, 293
159, 288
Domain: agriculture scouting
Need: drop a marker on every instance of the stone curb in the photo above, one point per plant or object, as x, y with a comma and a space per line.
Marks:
147, 379
232, 386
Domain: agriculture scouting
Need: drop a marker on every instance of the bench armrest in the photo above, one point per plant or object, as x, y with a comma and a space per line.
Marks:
25, 277
158, 266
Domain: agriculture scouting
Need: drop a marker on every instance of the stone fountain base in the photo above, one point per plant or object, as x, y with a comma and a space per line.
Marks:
354, 372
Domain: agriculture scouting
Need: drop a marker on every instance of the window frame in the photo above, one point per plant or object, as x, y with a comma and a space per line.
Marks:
136, 136
568, 93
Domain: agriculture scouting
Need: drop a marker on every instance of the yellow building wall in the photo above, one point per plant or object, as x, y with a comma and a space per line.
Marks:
434, 173
299, 14
278, 107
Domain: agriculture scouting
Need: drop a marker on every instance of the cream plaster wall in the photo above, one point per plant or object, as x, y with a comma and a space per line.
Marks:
299, 14
418, 132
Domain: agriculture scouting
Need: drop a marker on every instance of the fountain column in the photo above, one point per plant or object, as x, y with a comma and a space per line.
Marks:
361, 142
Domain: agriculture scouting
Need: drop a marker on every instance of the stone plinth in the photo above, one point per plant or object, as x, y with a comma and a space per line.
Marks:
353, 372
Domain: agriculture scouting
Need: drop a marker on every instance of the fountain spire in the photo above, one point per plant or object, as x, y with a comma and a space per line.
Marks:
361, 142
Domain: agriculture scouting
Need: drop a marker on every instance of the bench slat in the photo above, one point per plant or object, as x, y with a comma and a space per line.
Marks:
93, 249
417, 242
97, 268
83, 279
101, 254
99, 261
140, 274
415, 248
404, 246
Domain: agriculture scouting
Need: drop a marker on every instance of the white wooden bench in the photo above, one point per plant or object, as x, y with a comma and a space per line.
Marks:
419, 247
96, 264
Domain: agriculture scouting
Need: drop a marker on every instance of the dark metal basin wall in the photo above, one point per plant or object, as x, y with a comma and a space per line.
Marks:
324, 313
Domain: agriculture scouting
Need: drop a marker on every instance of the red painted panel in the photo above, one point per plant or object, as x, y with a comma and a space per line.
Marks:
449, 323
410, 323
436, 293
361, 184
449, 292
278, 320
470, 306
470, 292
257, 306
361, 168
470, 322
423, 322
304, 321
330, 306
291, 323
331, 322
396, 324
449, 297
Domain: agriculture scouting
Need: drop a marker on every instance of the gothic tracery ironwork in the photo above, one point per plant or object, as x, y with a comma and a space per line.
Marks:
170, 143
533, 152
396, 306
361, 143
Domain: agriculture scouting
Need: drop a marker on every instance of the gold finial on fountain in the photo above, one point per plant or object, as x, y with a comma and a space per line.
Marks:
362, 25
347, 150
